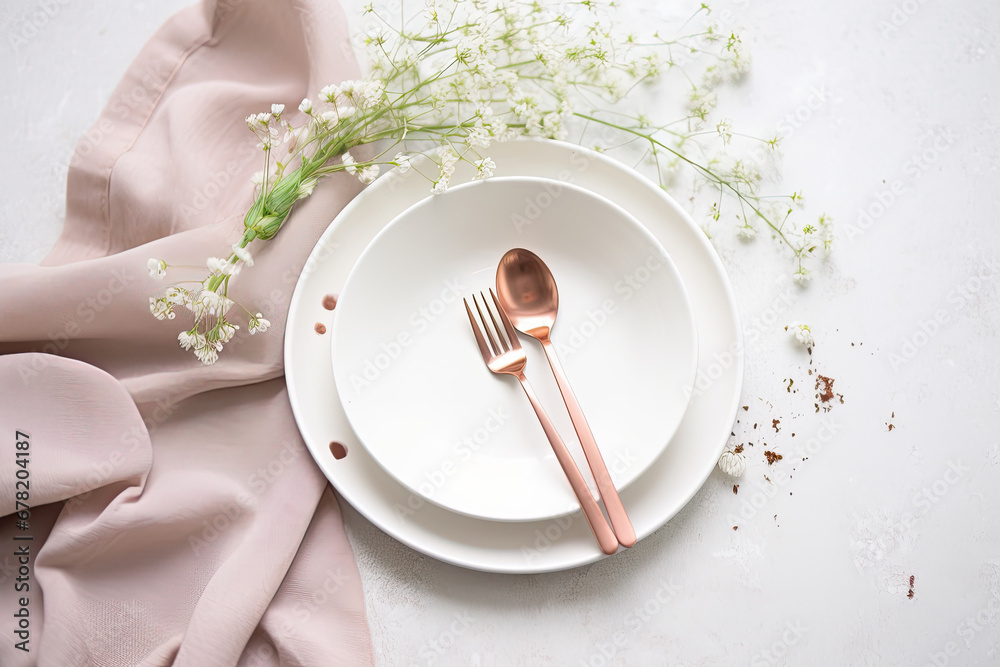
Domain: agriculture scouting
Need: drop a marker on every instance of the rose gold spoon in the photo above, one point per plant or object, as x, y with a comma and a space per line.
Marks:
529, 295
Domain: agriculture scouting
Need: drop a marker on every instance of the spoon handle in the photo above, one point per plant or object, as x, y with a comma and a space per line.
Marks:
591, 510
612, 502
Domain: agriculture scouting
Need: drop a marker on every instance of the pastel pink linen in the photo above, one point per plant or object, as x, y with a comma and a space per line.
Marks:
177, 518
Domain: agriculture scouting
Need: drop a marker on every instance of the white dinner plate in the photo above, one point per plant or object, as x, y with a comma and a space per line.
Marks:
412, 380
516, 547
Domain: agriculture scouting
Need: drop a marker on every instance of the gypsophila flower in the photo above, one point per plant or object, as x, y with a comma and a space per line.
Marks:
725, 130
732, 463
306, 106
207, 351
258, 324
161, 308
802, 333
402, 162
348, 161
746, 233
243, 254
209, 302
227, 330
484, 168
188, 340
177, 296
368, 174
157, 268
276, 110
216, 265
802, 276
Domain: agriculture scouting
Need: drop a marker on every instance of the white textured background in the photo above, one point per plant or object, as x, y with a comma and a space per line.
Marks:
890, 107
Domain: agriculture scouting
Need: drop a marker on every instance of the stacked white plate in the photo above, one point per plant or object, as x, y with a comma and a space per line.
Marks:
453, 461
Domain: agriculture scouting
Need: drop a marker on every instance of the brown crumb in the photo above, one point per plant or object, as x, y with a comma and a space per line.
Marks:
736, 488
746, 407
329, 302
789, 387
736, 527
738, 449
824, 388
320, 328
772, 457
774, 424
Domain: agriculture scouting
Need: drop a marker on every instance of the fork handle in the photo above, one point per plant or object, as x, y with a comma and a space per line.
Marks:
612, 501
598, 524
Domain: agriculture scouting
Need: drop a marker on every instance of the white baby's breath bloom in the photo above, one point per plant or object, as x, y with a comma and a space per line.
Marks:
188, 340
402, 162
725, 130
216, 265
440, 185
209, 302
177, 295
258, 324
276, 110
243, 254
306, 188
732, 463
161, 308
746, 232
802, 276
329, 93
157, 268
447, 158
227, 330
348, 161
478, 136
345, 112
368, 174
484, 168
306, 106
802, 333
207, 351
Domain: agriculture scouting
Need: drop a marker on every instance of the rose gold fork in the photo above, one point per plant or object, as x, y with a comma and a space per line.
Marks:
504, 356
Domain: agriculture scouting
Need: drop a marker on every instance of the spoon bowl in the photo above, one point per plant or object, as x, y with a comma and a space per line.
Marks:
528, 292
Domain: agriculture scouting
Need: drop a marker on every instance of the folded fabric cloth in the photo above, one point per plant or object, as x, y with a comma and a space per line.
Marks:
176, 515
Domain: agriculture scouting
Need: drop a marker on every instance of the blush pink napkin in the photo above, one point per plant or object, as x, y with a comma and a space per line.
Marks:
177, 518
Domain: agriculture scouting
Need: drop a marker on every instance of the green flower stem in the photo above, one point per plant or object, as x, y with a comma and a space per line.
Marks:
707, 172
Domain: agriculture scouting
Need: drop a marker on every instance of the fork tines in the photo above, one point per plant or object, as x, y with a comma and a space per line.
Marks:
498, 341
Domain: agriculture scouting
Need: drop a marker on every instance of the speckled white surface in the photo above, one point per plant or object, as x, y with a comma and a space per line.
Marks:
892, 101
